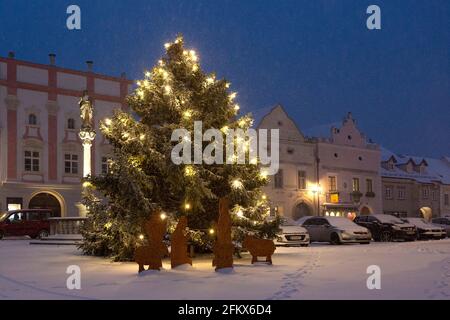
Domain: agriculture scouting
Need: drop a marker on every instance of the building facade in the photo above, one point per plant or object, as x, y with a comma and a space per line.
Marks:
40, 152
335, 173
415, 186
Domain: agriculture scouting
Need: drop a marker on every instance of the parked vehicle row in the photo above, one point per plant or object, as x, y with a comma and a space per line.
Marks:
364, 229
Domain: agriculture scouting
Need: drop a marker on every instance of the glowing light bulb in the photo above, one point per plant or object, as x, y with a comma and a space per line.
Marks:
187, 206
240, 214
167, 89
237, 184
142, 137
163, 216
167, 45
141, 237
86, 184
236, 107
227, 85
225, 129
189, 171
211, 231
264, 197
210, 80
187, 114
194, 68
232, 96
263, 173
108, 121
148, 74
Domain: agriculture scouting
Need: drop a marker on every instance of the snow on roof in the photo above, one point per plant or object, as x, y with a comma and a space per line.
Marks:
435, 170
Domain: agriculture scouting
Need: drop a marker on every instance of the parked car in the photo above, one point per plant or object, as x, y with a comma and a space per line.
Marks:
426, 230
336, 230
292, 235
443, 222
30, 222
385, 227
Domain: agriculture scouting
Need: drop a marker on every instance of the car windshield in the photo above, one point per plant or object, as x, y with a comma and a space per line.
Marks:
289, 222
340, 222
418, 222
385, 218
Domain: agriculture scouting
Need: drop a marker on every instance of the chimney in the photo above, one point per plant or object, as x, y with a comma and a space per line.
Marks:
123, 75
52, 58
89, 64
11, 54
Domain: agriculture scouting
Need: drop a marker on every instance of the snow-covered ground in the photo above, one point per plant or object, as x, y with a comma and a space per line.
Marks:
414, 270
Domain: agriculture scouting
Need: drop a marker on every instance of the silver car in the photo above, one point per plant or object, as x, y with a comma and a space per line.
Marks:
336, 230
443, 222
426, 230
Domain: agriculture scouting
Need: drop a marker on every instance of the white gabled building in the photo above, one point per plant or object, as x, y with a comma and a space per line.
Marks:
334, 173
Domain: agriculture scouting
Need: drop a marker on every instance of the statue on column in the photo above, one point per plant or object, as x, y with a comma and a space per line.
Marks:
86, 112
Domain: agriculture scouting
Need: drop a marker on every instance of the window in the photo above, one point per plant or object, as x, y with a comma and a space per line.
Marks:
71, 123
332, 183
369, 185
290, 150
278, 179
401, 194
434, 195
71, 163
355, 184
446, 200
301, 179
425, 193
17, 217
388, 193
105, 165
31, 161
32, 120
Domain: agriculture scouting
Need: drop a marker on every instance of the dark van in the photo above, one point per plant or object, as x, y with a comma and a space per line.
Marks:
27, 222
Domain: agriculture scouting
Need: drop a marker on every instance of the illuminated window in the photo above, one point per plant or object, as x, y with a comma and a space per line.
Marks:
332, 186
355, 184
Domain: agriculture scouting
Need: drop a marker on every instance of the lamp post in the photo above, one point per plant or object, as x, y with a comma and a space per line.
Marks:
316, 189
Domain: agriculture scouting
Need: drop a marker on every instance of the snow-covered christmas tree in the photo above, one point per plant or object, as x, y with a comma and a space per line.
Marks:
142, 178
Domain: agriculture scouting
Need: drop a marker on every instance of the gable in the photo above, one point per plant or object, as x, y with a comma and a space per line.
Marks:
277, 118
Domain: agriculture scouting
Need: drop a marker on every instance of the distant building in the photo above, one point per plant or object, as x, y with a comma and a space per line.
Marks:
40, 152
415, 186
333, 173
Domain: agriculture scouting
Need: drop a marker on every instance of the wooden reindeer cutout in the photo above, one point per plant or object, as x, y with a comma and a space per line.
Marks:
178, 241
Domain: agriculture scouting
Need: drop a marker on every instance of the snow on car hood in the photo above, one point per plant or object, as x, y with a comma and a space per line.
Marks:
293, 229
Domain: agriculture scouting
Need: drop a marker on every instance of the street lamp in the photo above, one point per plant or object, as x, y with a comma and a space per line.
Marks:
317, 189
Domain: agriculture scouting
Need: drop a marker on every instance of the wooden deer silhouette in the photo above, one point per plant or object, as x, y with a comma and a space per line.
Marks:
152, 254
178, 242
223, 247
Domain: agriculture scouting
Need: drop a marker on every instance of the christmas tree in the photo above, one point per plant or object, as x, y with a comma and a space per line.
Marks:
143, 179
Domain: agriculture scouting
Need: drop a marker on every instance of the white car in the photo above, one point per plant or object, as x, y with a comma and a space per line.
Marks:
292, 235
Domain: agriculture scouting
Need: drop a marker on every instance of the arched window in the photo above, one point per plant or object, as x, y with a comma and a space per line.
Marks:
32, 120
71, 123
